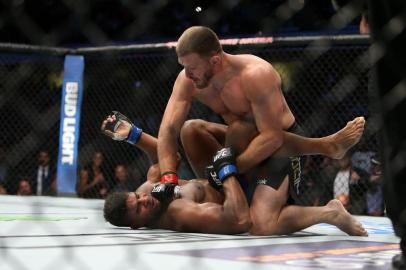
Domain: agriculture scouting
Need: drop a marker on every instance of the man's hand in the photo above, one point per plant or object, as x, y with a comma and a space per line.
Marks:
213, 179
165, 192
224, 163
118, 127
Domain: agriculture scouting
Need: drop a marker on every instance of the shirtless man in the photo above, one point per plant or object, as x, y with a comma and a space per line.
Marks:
247, 88
198, 205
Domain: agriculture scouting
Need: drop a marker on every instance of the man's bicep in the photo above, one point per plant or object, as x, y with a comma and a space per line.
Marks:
266, 101
178, 105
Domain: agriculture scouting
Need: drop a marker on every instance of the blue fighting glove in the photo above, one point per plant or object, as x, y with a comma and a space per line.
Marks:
224, 163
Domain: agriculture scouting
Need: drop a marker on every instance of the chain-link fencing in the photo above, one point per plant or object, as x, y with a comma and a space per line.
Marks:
325, 81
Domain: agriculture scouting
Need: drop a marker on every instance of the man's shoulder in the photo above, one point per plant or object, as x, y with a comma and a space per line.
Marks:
183, 82
259, 72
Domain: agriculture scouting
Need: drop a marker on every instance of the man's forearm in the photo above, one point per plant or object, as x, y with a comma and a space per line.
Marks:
235, 204
167, 151
148, 144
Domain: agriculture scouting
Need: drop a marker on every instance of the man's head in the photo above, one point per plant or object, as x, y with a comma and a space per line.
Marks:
131, 209
24, 187
199, 52
43, 158
120, 172
98, 158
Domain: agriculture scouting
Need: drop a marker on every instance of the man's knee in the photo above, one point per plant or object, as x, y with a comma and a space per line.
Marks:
240, 134
192, 127
263, 221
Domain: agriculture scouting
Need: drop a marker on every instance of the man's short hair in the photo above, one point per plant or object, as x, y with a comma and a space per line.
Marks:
200, 40
115, 209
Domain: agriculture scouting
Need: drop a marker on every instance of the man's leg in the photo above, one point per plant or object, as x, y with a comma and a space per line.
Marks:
201, 139
334, 146
240, 134
270, 215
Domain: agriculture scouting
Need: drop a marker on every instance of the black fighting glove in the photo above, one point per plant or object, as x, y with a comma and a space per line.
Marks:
165, 192
122, 129
224, 163
213, 179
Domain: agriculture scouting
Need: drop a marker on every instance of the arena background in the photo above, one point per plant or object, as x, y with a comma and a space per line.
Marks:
326, 60
322, 58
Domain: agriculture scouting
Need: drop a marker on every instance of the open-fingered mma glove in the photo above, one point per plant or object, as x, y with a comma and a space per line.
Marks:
122, 129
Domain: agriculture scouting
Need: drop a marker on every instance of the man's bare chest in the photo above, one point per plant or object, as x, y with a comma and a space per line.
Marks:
228, 101
200, 192
193, 190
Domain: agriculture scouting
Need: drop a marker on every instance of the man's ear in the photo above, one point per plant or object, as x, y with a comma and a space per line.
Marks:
215, 59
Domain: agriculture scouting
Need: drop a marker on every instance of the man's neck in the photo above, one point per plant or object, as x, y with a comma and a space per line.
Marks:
223, 72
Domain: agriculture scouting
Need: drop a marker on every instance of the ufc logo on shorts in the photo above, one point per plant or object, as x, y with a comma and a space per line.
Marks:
263, 181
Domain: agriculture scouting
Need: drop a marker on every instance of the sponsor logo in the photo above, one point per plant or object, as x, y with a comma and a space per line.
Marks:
262, 181
158, 188
69, 122
345, 254
222, 153
295, 161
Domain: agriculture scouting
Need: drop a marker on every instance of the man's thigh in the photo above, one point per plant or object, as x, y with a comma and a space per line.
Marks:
201, 139
267, 204
277, 184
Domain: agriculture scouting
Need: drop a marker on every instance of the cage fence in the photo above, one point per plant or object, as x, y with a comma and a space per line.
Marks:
326, 80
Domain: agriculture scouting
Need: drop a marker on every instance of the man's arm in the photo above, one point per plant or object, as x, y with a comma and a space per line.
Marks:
120, 129
146, 142
175, 115
263, 91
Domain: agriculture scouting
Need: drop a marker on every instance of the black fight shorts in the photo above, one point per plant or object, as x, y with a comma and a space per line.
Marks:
273, 171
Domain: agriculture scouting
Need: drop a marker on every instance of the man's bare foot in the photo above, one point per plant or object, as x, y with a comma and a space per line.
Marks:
343, 220
341, 141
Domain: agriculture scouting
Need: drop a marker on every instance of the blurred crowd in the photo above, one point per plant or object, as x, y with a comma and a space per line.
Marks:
95, 179
355, 180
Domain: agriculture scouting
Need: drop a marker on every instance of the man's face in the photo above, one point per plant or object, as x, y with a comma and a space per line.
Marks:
43, 158
121, 173
197, 68
25, 188
98, 159
141, 209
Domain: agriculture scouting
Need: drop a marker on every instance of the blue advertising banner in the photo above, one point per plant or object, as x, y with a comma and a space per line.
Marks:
72, 92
